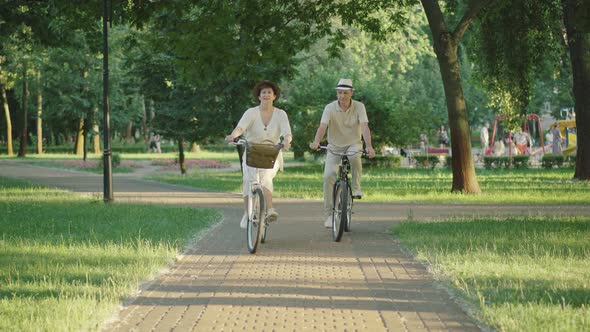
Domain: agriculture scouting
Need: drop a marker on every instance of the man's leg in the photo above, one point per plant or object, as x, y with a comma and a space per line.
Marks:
330, 173
356, 166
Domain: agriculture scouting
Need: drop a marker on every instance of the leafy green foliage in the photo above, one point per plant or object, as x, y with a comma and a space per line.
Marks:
513, 42
397, 79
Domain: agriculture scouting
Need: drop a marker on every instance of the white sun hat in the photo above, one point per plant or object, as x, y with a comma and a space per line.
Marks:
344, 84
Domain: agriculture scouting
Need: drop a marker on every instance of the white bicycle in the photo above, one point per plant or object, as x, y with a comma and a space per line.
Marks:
259, 156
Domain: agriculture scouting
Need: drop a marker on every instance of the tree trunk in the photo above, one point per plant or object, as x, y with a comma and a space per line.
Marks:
445, 47
299, 155
39, 115
144, 120
578, 37
78, 144
23, 135
96, 139
85, 130
129, 132
8, 122
181, 157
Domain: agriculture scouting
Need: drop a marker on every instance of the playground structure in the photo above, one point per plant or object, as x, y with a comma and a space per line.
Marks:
567, 128
529, 117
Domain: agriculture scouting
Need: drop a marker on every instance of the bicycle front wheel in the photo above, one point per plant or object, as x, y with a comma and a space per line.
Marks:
339, 215
264, 229
255, 220
348, 210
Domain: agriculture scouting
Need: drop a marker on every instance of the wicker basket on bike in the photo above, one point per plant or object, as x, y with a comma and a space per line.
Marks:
261, 155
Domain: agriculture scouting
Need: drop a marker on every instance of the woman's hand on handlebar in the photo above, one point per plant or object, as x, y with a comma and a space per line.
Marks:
229, 138
370, 152
314, 146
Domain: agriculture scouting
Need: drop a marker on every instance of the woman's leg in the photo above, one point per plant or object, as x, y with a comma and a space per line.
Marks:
268, 198
266, 179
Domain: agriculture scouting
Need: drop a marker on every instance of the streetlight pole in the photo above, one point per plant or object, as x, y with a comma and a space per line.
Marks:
107, 160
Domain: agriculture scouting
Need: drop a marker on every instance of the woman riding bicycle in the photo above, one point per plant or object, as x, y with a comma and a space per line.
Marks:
345, 120
263, 124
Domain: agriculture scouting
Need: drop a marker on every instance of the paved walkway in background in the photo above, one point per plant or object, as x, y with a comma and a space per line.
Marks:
300, 280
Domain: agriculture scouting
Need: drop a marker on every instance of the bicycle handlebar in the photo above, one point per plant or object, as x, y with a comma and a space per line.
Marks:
241, 141
340, 154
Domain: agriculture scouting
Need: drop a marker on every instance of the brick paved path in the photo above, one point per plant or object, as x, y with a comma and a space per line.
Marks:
300, 279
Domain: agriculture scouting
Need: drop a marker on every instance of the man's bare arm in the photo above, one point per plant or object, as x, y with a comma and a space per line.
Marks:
318, 136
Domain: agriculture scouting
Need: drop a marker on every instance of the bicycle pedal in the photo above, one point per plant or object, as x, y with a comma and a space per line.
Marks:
357, 197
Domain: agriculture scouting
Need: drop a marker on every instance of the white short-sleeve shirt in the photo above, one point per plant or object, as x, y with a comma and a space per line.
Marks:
255, 131
344, 128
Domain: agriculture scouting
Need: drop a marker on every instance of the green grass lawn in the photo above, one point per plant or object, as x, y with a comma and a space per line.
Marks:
532, 186
67, 262
521, 273
204, 154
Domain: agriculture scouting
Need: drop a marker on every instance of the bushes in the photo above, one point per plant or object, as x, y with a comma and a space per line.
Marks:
218, 147
383, 161
549, 161
115, 147
115, 161
430, 160
520, 162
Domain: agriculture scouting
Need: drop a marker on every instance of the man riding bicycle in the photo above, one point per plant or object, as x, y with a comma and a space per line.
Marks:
346, 121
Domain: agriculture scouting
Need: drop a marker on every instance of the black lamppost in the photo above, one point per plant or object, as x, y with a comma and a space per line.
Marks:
107, 160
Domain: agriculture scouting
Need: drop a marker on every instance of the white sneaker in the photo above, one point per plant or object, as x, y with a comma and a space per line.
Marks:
244, 222
272, 214
328, 222
357, 194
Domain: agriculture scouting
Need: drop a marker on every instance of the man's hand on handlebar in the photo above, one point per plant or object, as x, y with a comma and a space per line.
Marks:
370, 152
314, 146
229, 138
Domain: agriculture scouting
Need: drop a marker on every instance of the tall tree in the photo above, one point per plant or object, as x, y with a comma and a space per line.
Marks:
577, 22
6, 109
518, 40
446, 44
22, 152
39, 113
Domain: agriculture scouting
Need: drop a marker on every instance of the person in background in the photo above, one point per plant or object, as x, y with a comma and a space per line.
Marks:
523, 141
484, 137
423, 143
158, 140
347, 124
548, 138
263, 124
443, 137
556, 149
152, 140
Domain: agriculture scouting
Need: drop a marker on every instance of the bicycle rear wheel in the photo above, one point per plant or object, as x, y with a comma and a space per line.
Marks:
255, 220
339, 215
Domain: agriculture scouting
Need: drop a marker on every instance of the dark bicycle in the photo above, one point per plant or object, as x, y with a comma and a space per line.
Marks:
342, 196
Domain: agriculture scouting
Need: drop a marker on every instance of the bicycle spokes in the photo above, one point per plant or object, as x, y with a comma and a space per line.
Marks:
255, 220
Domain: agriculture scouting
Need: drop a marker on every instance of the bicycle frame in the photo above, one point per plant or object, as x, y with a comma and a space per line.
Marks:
342, 199
256, 209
